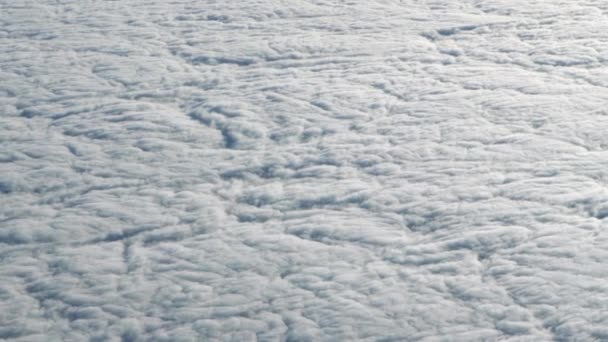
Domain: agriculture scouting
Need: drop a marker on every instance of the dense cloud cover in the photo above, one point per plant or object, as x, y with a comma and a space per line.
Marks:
303, 170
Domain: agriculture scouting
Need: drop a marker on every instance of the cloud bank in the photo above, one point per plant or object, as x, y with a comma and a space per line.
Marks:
303, 170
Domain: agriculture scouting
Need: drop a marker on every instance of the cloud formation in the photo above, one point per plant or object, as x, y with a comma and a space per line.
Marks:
303, 171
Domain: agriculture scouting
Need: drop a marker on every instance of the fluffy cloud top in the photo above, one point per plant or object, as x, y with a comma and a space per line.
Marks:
303, 170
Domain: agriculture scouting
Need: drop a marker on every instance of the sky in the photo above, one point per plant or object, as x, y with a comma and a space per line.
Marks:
319, 170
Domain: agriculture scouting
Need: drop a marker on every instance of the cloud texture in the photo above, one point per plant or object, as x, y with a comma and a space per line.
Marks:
303, 170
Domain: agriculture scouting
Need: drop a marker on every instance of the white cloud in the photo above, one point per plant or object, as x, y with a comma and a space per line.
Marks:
303, 171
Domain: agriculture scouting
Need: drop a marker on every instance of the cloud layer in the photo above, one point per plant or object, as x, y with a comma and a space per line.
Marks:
303, 170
